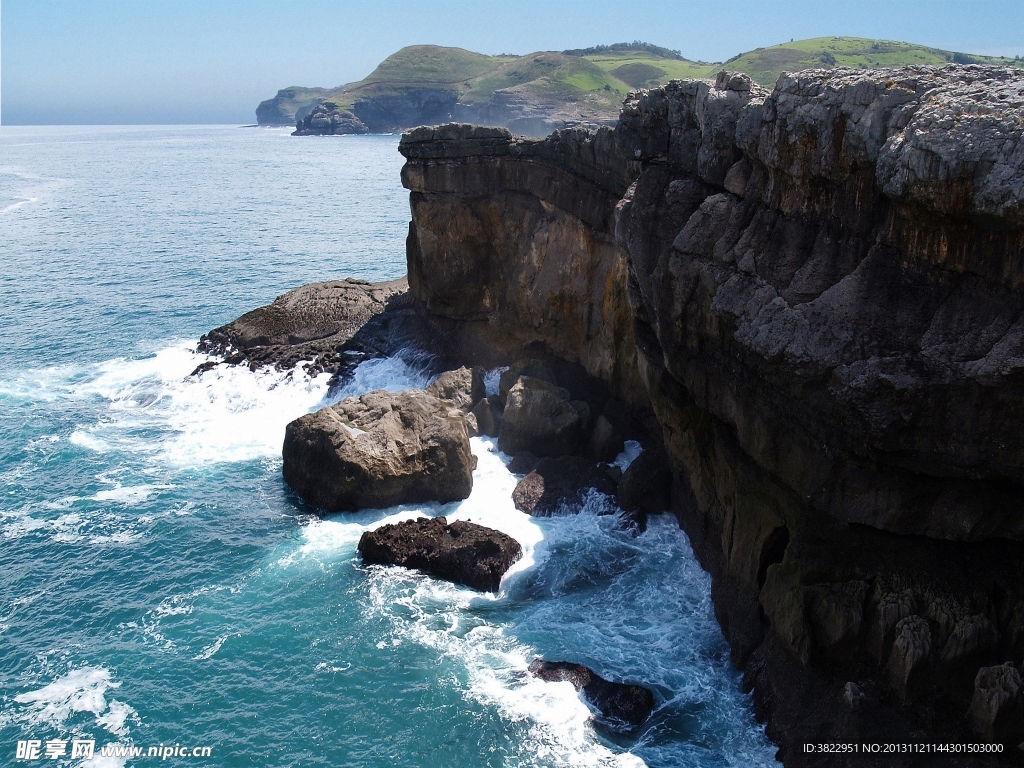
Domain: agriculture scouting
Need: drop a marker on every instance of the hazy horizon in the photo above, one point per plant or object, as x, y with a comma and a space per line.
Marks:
118, 62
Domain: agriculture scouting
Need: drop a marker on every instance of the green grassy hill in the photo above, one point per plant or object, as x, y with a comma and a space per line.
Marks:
766, 64
577, 86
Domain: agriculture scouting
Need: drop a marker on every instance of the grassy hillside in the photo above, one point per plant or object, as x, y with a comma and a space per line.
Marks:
590, 83
766, 64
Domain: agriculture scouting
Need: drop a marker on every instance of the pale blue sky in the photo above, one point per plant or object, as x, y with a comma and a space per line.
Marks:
213, 61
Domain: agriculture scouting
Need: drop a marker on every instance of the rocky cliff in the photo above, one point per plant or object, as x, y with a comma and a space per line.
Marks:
819, 290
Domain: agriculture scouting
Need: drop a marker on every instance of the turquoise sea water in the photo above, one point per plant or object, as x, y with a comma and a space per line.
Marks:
159, 584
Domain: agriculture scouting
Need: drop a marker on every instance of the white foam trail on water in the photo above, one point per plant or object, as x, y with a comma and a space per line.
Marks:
82, 690
128, 495
211, 649
17, 205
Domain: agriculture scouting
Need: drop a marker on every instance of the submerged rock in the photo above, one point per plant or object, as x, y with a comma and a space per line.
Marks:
540, 417
378, 450
463, 552
559, 483
622, 705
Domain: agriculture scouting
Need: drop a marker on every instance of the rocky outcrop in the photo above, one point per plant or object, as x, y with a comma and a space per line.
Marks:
327, 119
825, 309
561, 484
621, 705
378, 450
463, 552
316, 324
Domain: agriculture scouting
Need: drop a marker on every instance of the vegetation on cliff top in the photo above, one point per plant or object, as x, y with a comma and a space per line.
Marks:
597, 77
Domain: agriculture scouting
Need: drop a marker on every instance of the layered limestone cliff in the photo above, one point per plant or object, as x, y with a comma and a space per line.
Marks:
820, 292
512, 239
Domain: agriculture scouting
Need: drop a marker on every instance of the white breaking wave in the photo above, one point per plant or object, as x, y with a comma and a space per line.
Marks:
79, 691
404, 371
226, 414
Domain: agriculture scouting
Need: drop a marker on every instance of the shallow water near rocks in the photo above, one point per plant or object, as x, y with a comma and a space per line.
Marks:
161, 585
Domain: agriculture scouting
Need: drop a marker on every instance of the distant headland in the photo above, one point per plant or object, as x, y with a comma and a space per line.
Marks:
549, 90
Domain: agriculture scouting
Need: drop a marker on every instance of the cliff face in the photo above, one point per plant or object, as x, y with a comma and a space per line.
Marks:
513, 238
821, 289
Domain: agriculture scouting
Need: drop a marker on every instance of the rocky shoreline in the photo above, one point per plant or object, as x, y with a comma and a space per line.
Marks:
808, 300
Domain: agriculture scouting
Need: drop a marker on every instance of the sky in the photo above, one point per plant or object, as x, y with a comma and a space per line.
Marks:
213, 61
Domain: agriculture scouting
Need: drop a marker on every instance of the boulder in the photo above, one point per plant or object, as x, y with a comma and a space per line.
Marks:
646, 485
622, 705
463, 386
540, 417
523, 463
996, 712
558, 483
378, 450
462, 552
488, 416
527, 366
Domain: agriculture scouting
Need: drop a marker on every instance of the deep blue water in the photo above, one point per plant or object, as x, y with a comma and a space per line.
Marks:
158, 582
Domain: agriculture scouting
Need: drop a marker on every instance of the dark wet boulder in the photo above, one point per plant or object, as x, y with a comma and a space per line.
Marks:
523, 463
463, 386
562, 483
541, 417
646, 485
621, 705
378, 450
462, 552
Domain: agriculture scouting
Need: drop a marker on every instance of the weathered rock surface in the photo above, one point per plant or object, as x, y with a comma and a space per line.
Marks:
540, 417
311, 323
378, 450
559, 484
463, 552
463, 386
621, 705
824, 291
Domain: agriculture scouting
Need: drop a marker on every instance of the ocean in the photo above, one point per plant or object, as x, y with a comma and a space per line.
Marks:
161, 587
